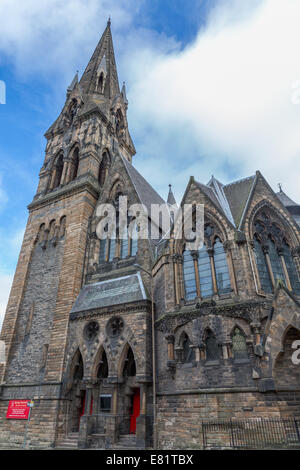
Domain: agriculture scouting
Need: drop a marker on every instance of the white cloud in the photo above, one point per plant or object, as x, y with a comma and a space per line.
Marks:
224, 105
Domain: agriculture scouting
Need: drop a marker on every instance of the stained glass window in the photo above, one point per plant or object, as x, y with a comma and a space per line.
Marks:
204, 267
262, 267
291, 269
221, 268
275, 262
189, 276
239, 345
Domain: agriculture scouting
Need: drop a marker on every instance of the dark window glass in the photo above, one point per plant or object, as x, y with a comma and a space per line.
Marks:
262, 267
291, 269
275, 262
239, 345
105, 403
212, 348
204, 267
189, 276
188, 353
221, 268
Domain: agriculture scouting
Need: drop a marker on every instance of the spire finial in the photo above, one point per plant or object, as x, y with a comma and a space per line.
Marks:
280, 187
109, 21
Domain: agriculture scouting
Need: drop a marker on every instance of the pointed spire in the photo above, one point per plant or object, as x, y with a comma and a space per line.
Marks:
171, 199
103, 60
73, 84
123, 93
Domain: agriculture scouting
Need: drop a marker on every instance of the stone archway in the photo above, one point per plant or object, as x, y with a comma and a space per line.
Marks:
75, 393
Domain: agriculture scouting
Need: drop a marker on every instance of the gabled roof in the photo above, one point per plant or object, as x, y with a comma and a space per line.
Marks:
145, 192
237, 194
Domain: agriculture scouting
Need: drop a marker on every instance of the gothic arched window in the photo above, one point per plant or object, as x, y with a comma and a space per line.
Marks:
188, 354
58, 171
239, 345
273, 255
103, 168
189, 276
74, 165
205, 272
129, 365
221, 268
102, 372
212, 347
291, 268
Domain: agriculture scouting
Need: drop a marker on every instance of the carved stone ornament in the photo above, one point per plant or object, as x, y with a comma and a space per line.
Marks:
115, 327
91, 331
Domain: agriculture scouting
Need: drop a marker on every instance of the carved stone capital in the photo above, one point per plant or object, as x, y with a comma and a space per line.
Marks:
170, 339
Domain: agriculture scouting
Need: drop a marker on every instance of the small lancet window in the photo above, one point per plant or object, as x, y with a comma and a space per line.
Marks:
102, 372
188, 354
212, 347
239, 345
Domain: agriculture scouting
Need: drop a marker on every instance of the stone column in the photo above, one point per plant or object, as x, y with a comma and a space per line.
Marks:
171, 340
210, 252
196, 268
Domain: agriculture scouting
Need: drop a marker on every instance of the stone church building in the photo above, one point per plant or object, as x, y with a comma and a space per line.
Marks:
126, 343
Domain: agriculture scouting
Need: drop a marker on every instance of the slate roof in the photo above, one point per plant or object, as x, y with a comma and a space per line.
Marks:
145, 192
237, 194
286, 201
118, 291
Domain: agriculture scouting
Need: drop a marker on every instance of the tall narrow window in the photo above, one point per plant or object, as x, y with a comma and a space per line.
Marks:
212, 347
124, 244
275, 262
189, 276
262, 267
221, 268
204, 267
134, 240
75, 164
188, 354
112, 249
291, 268
271, 235
102, 257
239, 346
59, 169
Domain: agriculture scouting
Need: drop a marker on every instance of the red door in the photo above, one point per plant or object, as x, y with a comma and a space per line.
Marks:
135, 411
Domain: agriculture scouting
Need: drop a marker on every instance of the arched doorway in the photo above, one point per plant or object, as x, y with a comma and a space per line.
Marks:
129, 393
76, 393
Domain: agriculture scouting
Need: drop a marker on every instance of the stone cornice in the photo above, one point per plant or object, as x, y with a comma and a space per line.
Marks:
247, 310
85, 183
132, 307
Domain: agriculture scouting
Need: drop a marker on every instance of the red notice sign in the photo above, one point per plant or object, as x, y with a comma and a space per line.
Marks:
18, 409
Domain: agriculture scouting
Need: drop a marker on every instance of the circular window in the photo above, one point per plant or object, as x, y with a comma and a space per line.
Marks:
91, 331
115, 327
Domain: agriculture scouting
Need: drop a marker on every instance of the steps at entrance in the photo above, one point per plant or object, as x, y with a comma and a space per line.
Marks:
69, 442
126, 441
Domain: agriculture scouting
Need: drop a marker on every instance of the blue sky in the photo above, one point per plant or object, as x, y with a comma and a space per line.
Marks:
212, 88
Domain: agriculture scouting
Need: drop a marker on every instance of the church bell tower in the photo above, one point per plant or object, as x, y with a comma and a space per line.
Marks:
81, 145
